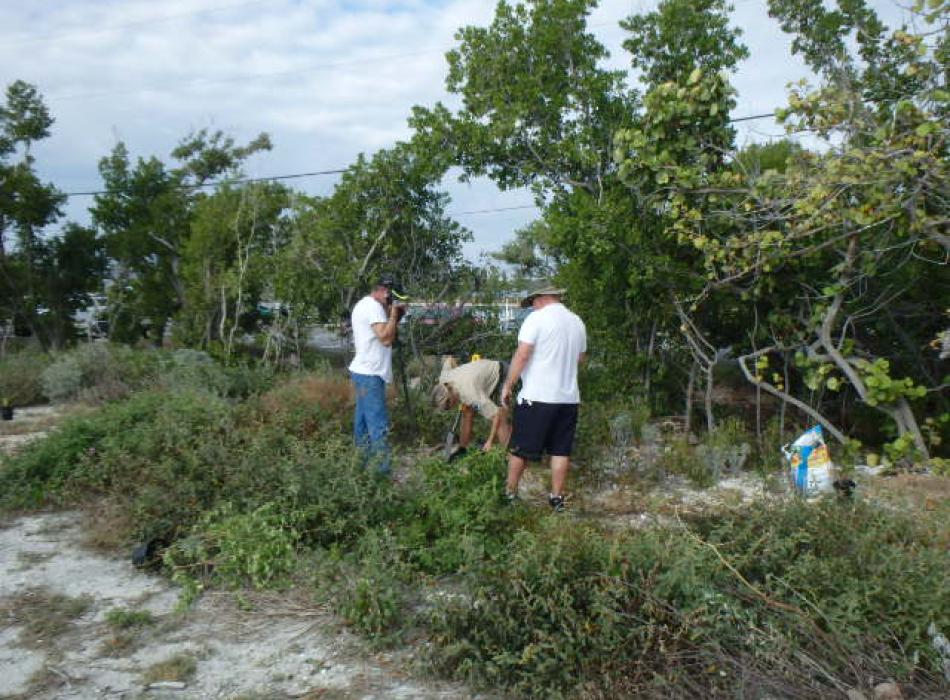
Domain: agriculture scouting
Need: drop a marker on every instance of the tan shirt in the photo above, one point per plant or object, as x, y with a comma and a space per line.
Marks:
474, 382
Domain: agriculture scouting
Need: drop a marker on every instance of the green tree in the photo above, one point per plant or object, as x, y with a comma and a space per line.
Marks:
146, 216
229, 260
838, 247
43, 277
386, 215
539, 110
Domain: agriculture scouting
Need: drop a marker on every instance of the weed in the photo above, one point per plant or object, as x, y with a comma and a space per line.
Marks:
44, 616
129, 619
578, 611
365, 586
20, 378
237, 549
27, 560
180, 667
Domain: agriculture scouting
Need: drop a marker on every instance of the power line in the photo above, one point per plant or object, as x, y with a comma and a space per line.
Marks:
339, 171
770, 115
492, 211
239, 181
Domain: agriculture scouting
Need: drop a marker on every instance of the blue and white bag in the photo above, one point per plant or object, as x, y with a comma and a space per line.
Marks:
810, 467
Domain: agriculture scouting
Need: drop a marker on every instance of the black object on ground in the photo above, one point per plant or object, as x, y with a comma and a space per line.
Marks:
845, 488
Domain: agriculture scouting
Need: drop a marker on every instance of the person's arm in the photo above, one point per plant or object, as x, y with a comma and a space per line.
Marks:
582, 358
518, 362
386, 332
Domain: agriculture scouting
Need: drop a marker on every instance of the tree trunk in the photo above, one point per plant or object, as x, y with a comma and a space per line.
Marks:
690, 387
801, 405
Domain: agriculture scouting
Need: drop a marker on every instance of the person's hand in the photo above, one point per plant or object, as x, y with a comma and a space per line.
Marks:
505, 395
397, 310
487, 446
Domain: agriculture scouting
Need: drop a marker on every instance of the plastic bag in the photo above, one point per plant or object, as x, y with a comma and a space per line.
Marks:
810, 467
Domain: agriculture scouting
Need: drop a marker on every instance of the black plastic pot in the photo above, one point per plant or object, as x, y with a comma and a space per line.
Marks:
6, 412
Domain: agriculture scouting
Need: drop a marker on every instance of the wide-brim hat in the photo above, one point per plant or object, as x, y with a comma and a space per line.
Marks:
546, 290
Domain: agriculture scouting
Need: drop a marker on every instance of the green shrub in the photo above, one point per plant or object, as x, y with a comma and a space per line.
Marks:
573, 611
98, 372
457, 515
21, 378
368, 586
238, 549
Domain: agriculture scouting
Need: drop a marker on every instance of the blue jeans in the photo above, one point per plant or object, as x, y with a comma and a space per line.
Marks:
371, 421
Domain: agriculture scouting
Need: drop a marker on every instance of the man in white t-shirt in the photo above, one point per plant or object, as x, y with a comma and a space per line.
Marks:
551, 343
374, 322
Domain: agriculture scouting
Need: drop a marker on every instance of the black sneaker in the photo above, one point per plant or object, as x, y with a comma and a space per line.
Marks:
556, 503
512, 499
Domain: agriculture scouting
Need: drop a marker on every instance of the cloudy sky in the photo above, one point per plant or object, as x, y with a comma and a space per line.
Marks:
327, 79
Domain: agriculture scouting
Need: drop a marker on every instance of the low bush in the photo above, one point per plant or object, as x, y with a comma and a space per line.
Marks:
97, 372
21, 378
787, 599
368, 585
767, 596
256, 548
456, 515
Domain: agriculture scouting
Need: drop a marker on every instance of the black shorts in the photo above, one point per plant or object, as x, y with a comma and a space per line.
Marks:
543, 427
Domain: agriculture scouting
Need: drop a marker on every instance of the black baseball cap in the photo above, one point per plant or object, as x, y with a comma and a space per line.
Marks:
390, 283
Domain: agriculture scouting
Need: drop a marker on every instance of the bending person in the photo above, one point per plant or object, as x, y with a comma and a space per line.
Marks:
475, 387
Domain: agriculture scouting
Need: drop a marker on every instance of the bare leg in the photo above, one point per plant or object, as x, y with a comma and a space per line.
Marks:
559, 468
516, 467
465, 433
504, 428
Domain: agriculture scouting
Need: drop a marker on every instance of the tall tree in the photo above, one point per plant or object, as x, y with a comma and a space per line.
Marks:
146, 216
43, 277
835, 250
386, 215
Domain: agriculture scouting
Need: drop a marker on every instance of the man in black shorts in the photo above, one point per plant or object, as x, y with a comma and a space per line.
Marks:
552, 342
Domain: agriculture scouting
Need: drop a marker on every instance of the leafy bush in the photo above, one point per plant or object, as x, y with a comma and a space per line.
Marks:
368, 585
192, 369
238, 549
21, 378
685, 612
456, 514
307, 404
97, 372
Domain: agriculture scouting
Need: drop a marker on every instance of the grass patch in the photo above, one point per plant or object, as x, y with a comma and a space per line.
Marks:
129, 619
44, 616
178, 668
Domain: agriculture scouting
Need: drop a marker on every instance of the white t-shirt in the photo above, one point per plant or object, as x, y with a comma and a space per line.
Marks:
372, 357
558, 337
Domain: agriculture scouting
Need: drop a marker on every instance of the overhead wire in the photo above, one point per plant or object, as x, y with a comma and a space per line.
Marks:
339, 171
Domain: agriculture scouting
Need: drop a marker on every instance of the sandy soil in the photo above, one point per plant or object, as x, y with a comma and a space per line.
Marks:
252, 647
29, 424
